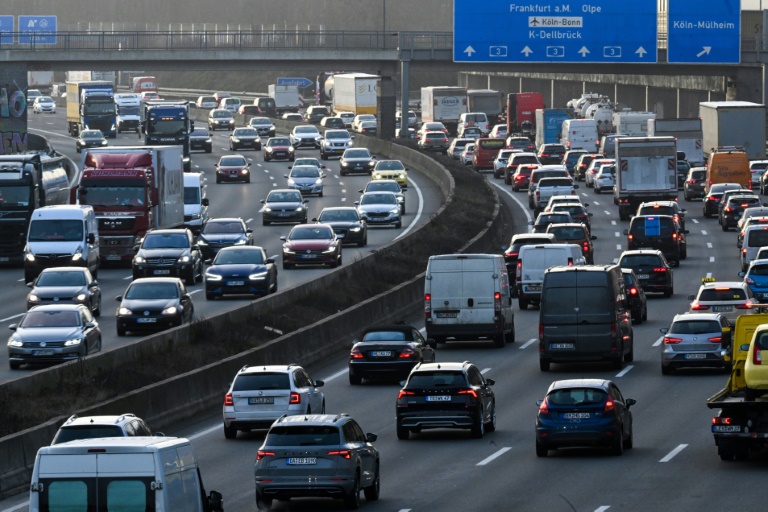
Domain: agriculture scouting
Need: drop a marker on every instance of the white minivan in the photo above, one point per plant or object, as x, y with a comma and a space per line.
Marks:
231, 104
579, 134
195, 202
120, 473
534, 260
476, 119
64, 235
468, 297
755, 237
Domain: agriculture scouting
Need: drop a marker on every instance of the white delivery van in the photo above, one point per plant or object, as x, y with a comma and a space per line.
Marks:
534, 260
579, 134
195, 201
468, 297
475, 119
231, 104
120, 473
128, 106
64, 235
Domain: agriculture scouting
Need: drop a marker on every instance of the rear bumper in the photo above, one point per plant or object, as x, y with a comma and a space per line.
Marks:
465, 332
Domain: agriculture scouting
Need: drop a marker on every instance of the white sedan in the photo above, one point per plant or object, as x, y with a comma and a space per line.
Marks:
466, 154
605, 178
44, 104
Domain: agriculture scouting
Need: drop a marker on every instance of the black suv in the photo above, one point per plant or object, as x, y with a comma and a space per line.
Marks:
663, 208
715, 194
734, 208
651, 268
446, 395
167, 253
551, 154
660, 232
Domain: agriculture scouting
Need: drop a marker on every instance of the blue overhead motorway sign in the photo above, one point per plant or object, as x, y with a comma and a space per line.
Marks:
301, 82
590, 31
6, 29
37, 29
704, 31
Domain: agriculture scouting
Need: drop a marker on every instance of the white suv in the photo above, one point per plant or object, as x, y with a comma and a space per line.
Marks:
261, 394
91, 427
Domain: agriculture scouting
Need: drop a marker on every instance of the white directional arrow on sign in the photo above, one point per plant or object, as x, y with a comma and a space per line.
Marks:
705, 51
469, 51
527, 51
641, 52
583, 51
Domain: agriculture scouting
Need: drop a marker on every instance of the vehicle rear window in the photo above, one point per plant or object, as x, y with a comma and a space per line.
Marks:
721, 295
560, 182
567, 233
640, 260
576, 396
694, 327
262, 381
761, 341
303, 435
475, 118
490, 144
384, 336
758, 270
87, 432
651, 227
757, 238
698, 175
441, 379
549, 174
525, 159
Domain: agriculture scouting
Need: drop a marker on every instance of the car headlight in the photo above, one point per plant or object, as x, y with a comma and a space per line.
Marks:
124, 312
235, 139
317, 137
77, 256
290, 149
80, 297
344, 164
371, 164
355, 229
401, 176
287, 250
15, 343
377, 176
139, 259
208, 141
212, 277
184, 259
231, 121
349, 143
394, 211
244, 171
299, 208
291, 182
329, 249
30, 257
241, 241
103, 143
268, 149
318, 181
195, 215
72, 342
172, 310
258, 277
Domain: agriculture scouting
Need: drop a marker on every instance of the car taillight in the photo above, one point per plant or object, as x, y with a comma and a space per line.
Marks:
613, 329
407, 353
746, 305
633, 290
341, 453
541, 331
544, 154
727, 208
722, 421
263, 453
609, 405
757, 356
403, 393
295, 398
538, 195
630, 237
744, 251
749, 280
470, 392
716, 339
228, 400
511, 254
660, 269
519, 271
674, 236
699, 307
570, 262
428, 305
497, 302
544, 407
691, 182
671, 341
585, 246
355, 353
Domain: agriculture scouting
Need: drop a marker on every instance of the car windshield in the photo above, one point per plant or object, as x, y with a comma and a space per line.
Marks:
390, 165
284, 197
306, 161
311, 233
435, 126
56, 230
384, 336
303, 435
721, 295
232, 161
199, 133
567, 233
694, 327
357, 153
339, 216
69, 318
239, 257
92, 134
340, 134
278, 142
221, 114
149, 291
166, 241
385, 186
576, 396
260, 121
307, 171
216, 227
60, 278
379, 199
44, 99
245, 132
435, 135
438, 379
261, 381
305, 129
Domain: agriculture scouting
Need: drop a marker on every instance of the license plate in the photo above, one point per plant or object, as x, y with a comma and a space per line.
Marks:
452, 314
340, 235
576, 415
301, 461
533, 288
559, 346
308, 256
695, 356
261, 400
718, 309
762, 295
42, 353
5, 258
726, 428
643, 276
113, 257
236, 283
440, 398
381, 353
161, 272
283, 214
145, 320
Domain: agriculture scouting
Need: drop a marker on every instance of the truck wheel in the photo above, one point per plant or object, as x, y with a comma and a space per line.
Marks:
544, 365
523, 303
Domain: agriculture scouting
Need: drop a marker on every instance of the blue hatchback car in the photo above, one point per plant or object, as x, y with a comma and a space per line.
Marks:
584, 412
756, 278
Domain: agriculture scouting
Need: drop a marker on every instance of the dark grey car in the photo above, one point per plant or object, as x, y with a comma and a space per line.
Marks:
695, 340
693, 188
356, 160
66, 285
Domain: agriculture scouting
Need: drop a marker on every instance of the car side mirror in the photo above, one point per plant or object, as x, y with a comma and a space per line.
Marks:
319, 383
686, 231
664, 330
530, 223
314, 219
285, 175
91, 238
93, 284
490, 382
590, 214
90, 325
263, 202
283, 238
742, 274
742, 348
539, 402
371, 437
30, 285
119, 298
216, 501
626, 232
208, 261
186, 297
630, 402
13, 327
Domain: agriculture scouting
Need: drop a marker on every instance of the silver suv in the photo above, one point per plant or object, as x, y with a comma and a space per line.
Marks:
261, 394
695, 340
92, 427
335, 143
319, 455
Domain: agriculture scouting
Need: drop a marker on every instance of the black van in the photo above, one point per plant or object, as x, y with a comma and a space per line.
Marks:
661, 232
584, 316
266, 107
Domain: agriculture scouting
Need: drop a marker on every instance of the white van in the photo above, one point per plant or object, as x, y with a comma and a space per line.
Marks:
128, 106
231, 104
125, 473
475, 119
534, 260
64, 235
195, 202
579, 134
755, 237
467, 297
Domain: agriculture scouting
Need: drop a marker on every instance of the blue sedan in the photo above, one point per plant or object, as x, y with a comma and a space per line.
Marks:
241, 270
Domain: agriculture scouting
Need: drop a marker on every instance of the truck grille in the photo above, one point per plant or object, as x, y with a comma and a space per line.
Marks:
116, 223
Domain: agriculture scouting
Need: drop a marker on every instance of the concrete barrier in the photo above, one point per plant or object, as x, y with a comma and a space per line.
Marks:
204, 388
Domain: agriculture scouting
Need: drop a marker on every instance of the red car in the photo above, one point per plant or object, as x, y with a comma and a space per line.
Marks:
233, 168
311, 244
278, 148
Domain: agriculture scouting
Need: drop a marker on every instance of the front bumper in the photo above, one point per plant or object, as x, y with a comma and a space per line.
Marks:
155, 322
149, 270
237, 286
47, 355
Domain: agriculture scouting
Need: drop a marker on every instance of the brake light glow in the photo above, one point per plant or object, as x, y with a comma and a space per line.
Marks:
544, 407
470, 392
407, 353
633, 290
609, 405
722, 421
428, 305
699, 307
228, 400
341, 453
585, 247
660, 269
716, 339
668, 340
403, 393
519, 271
263, 453
757, 356
497, 302
355, 353
746, 305
511, 254
541, 331
295, 398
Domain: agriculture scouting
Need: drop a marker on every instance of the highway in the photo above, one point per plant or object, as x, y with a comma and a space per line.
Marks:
226, 200
673, 466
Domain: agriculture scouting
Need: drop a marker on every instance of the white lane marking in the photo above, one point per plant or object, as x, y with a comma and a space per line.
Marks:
343, 191
515, 199
127, 278
494, 456
204, 432
53, 134
709, 245
416, 218
272, 178
625, 370
616, 234
335, 375
528, 343
674, 452
258, 165
607, 212
658, 341
709, 274
341, 183
596, 203
485, 370
613, 223
404, 510
618, 247
704, 232
711, 259
11, 317
343, 199
248, 221
603, 508
695, 221
193, 292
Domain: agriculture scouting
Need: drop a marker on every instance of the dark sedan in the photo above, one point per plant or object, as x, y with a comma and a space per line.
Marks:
90, 139
356, 160
651, 268
346, 223
241, 271
244, 138
311, 244
233, 168
388, 351
223, 232
200, 139
66, 285
169, 252
53, 333
284, 205
584, 412
577, 212
153, 304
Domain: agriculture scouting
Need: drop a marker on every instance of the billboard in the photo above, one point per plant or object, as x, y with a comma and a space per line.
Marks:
13, 108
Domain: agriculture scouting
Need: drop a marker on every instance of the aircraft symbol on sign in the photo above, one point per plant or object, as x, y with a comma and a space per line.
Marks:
534, 22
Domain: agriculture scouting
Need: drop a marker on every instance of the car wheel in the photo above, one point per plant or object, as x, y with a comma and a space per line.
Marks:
491, 425
230, 432
265, 222
498, 341
266, 158
398, 225
263, 503
667, 370
78, 149
402, 433
363, 242
617, 447
372, 491
208, 150
544, 364
630, 356
352, 500
726, 454
121, 331
668, 292
515, 189
97, 310
510, 336
478, 427
523, 303
287, 266
248, 179
322, 156
645, 313
724, 225
218, 180
541, 450
629, 441
597, 190
190, 279
14, 365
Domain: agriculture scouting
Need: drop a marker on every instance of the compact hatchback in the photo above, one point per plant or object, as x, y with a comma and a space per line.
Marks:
233, 168
756, 278
220, 118
434, 141
317, 455
712, 198
261, 394
575, 233
652, 270
551, 153
695, 340
730, 298
693, 188
66, 285
153, 304
307, 179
